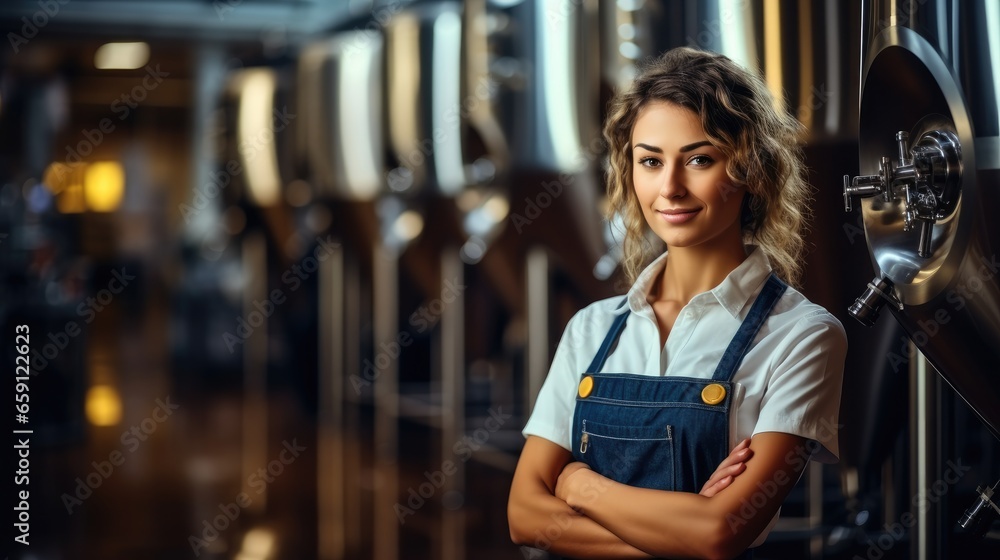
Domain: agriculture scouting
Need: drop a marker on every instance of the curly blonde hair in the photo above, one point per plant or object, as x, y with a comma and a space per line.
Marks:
738, 114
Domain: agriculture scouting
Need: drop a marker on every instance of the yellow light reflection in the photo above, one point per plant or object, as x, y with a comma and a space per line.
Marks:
56, 177
104, 186
772, 51
103, 406
806, 101
403, 83
65, 182
121, 56
258, 544
70, 199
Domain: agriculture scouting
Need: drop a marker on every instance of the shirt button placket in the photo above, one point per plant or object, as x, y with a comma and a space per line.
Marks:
686, 322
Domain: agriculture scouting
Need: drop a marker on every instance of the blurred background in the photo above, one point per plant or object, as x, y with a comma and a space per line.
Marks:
294, 271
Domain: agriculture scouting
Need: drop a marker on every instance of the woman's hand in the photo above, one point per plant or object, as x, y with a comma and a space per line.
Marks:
731, 467
567, 486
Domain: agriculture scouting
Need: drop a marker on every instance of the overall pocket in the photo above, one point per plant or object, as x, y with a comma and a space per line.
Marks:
640, 456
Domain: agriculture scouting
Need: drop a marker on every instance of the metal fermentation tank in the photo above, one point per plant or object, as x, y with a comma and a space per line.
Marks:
931, 154
930, 164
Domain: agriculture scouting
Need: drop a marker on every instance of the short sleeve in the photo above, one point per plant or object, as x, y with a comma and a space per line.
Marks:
802, 396
552, 415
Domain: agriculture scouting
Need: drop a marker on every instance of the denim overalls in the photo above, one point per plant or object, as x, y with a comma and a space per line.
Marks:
668, 433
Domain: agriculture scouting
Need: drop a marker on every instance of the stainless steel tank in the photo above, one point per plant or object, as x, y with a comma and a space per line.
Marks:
426, 108
339, 89
930, 164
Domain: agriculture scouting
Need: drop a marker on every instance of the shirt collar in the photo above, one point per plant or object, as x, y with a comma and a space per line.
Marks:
734, 293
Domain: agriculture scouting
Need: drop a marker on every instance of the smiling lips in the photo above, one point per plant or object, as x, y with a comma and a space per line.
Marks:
678, 215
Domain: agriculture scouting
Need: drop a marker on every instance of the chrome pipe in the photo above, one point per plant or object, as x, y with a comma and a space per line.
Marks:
928, 535
386, 388
331, 475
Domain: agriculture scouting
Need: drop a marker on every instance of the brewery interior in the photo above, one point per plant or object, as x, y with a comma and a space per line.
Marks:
294, 270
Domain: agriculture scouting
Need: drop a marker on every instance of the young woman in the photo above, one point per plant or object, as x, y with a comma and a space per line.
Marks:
626, 457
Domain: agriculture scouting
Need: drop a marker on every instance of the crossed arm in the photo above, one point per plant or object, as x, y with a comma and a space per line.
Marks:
565, 507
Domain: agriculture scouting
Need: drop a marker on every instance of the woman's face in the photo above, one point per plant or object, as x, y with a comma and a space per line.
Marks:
680, 179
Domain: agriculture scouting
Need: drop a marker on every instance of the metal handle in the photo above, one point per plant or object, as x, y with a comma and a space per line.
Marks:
863, 187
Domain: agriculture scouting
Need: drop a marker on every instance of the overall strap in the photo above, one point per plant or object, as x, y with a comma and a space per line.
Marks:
748, 330
609, 340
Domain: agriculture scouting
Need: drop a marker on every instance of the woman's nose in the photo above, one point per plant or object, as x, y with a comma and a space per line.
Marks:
673, 183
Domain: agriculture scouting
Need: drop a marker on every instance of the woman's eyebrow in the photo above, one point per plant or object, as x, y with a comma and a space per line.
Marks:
650, 148
686, 148
694, 145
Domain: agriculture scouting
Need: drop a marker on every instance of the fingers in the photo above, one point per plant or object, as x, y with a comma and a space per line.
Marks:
739, 454
741, 446
732, 471
729, 469
712, 489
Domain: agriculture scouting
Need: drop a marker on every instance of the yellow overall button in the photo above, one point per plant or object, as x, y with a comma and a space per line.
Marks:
586, 386
712, 394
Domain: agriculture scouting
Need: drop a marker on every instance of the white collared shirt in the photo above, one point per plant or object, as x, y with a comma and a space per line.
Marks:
790, 379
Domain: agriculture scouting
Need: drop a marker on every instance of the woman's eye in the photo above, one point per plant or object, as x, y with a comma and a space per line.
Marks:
648, 162
700, 161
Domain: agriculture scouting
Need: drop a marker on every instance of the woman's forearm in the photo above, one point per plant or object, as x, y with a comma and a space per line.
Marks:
548, 523
538, 518
674, 524
681, 524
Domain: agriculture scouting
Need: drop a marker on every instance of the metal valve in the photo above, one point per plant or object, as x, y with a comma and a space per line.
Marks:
982, 512
867, 307
926, 177
865, 186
